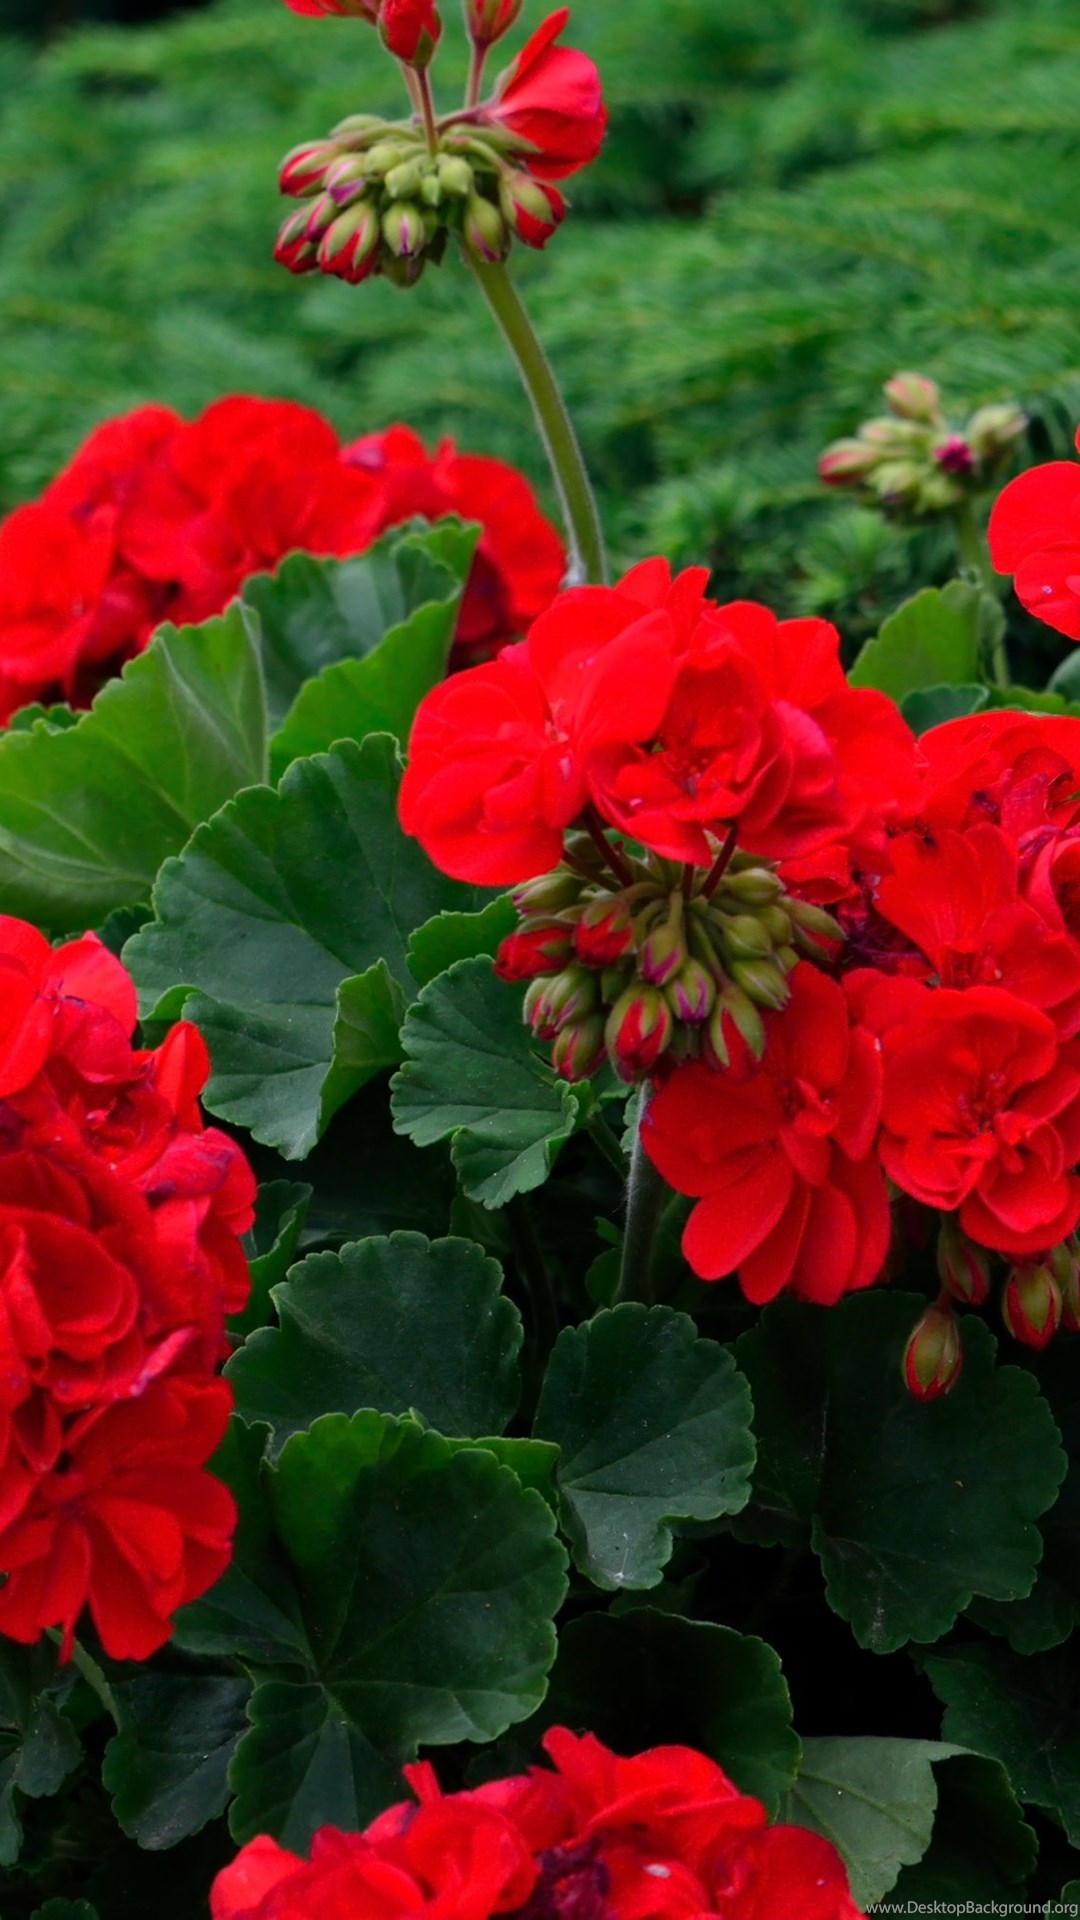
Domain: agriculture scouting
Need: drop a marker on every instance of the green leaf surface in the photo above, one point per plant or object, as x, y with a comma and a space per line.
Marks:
167, 1767
65, 1910
282, 931
281, 1208
1024, 1713
312, 614
931, 641
389, 1591
912, 1510
646, 1679
450, 937
88, 813
932, 706
982, 1849
399, 1325
471, 1076
654, 1426
39, 1746
1070, 1897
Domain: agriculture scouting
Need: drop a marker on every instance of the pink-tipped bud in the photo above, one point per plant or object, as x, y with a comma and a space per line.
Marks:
734, 1014
488, 20
604, 933
485, 231
640, 1029
692, 994
349, 245
913, 397
568, 996
663, 954
933, 1357
963, 1268
531, 208
847, 461
303, 171
954, 455
411, 29
294, 249
579, 1049
404, 231
534, 951
1031, 1305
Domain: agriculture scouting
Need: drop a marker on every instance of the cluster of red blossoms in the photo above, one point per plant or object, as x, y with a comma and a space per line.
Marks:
662, 1836
848, 961
1035, 535
157, 518
120, 1217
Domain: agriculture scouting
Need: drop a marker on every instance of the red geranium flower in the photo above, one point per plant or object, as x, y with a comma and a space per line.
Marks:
779, 1154
1035, 535
366, 9
53, 572
550, 98
980, 1110
411, 29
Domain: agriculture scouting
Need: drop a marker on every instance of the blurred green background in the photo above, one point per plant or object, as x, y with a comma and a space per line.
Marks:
797, 198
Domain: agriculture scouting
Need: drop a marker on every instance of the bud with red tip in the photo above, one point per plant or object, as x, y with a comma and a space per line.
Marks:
933, 1357
913, 397
845, 461
692, 994
568, 996
303, 171
411, 29
533, 951
349, 247
604, 933
579, 1049
1031, 1305
295, 249
640, 1028
360, 9
663, 954
531, 208
963, 1268
488, 20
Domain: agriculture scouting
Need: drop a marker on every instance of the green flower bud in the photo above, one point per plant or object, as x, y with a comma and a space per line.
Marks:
455, 176
754, 886
551, 893
485, 231
404, 231
743, 936
763, 982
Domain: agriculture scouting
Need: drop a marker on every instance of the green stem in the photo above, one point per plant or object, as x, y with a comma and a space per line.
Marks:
477, 64
645, 1198
605, 1139
85, 1664
588, 562
427, 110
975, 556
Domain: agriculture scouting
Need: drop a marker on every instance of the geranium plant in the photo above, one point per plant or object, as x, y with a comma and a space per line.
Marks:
539, 1152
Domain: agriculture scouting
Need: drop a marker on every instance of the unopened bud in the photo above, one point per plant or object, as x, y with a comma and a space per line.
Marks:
294, 249
568, 996
733, 1006
777, 924
552, 893
386, 154
847, 461
404, 230
579, 1049
913, 397
754, 886
814, 922
348, 170
534, 951
763, 981
744, 936
1065, 1266
303, 170
404, 181
992, 431
963, 1268
692, 994
933, 1356
485, 231
663, 952
639, 1030
456, 177
1031, 1305
531, 208
954, 455
349, 244
411, 29
488, 20
605, 932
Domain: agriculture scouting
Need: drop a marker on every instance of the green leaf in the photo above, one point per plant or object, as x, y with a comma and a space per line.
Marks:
982, 1847
425, 1581
534, 1461
65, 1910
931, 641
1069, 1899
646, 1679
911, 1509
876, 1800
380, 693
1022, 1712
281, 930
312, 614
932, 706
88, 814
167, 1767
56, 718
1028, 700
450, 937
1065, 679
654, 1426
39, 1747
471, 1076
281, 1208
399, 1325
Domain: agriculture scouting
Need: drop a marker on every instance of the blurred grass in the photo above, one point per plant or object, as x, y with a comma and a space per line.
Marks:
798, 196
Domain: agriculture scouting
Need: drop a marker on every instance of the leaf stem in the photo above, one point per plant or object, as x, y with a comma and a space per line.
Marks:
427, 110
85, 1665
645, 1198
974, 554
721, 863
477, 63
588, 563
594, 827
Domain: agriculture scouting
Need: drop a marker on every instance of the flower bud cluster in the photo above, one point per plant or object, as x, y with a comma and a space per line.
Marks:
377, 200
913, 460
1040, 1296
648, 973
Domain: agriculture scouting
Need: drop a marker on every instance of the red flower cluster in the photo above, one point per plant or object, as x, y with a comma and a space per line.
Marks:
120, 1217
662, 1836
1035, 535
161, 519
672, 719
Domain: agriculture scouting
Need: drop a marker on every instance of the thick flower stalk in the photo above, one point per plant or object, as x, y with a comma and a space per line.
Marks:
662, 1836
